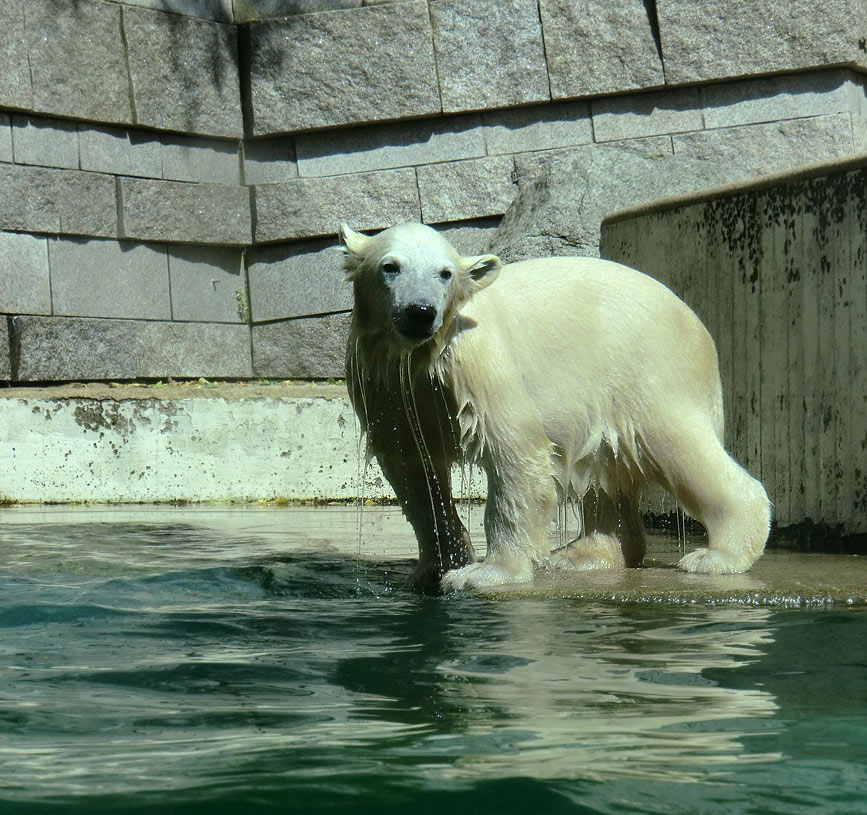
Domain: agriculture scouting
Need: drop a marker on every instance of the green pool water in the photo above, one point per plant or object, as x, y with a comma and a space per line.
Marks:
237, 661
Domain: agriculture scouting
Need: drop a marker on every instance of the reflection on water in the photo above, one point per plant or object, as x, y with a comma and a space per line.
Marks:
156, 667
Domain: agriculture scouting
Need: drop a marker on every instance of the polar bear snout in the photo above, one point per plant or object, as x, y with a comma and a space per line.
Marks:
417, 321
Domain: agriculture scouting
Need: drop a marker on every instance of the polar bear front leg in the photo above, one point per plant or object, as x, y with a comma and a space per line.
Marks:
517, 512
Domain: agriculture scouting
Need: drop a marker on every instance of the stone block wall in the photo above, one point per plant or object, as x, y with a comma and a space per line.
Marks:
172, 172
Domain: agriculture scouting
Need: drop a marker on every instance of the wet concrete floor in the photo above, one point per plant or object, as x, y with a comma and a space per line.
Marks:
380, 534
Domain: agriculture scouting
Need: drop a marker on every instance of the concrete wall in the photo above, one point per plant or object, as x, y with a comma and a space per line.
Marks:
777, 270
172, 171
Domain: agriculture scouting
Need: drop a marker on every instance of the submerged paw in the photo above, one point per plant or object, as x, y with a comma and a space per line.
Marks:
485, 575
713, 561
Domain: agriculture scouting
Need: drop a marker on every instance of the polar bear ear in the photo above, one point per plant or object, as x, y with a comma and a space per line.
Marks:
482, 270
354, 247
354, 243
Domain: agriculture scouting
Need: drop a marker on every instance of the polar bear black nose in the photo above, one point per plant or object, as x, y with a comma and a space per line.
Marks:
417, 320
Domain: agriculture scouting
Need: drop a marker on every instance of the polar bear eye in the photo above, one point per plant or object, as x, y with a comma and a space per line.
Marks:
446, 274
390, 267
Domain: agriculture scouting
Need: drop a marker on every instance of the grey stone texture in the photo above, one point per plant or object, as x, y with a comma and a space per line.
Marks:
563, 196
648, 114
250, 10
15, 88
45, 142
566, 124
207, 284
764, 148
71, 348
325, 69
782, 97
36, 199
382, 147
178, 212
270, 161
716, 39
488, 54
470, 237
217, 10
309, 348
201, 160
75, 54
25, 283
461, 190
311, 207
5, 138
184, 73
119, 151
100, 278
297, 280
5, 349
597, 47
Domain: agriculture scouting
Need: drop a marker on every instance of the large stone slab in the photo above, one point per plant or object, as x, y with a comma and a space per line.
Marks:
70, 348
312, 207
742, 152
45, 142
76, 59
204, 160
307, 348
540, 127
564, 195
633, 116
247, 11
461, 190
99, 278
25, 282
489, 53
727, 104
5, 349
184, 73
35, 199
715, 39
389, 146
15, 89
207, 284
595, 48
119, 151
269, 161
5, 138
218, 10
177, 212
297, 280
326, 69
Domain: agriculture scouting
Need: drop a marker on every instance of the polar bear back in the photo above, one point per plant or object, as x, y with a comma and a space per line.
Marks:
591, 332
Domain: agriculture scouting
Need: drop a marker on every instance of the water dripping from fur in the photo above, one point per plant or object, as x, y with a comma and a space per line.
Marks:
411, 411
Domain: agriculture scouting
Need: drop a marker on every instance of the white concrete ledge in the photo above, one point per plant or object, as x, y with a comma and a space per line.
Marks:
203, 442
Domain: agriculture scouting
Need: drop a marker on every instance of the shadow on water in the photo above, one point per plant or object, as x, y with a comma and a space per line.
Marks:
166, 668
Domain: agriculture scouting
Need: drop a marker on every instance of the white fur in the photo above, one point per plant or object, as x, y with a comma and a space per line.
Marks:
569, 376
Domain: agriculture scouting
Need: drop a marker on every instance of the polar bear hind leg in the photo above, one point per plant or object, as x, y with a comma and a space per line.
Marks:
715, 490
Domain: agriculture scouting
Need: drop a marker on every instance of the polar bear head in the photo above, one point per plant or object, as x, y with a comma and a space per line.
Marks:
411, 279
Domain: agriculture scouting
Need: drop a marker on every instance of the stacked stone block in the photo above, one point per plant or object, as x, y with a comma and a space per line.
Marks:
172, 172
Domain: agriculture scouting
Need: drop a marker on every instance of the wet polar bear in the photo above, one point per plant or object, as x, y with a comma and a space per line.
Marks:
569, 376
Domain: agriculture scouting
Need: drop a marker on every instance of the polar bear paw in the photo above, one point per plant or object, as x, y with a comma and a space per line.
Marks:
590, 553
486, 575
713, 561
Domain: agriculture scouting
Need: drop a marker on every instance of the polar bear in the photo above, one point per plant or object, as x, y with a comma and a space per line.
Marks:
568, 376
